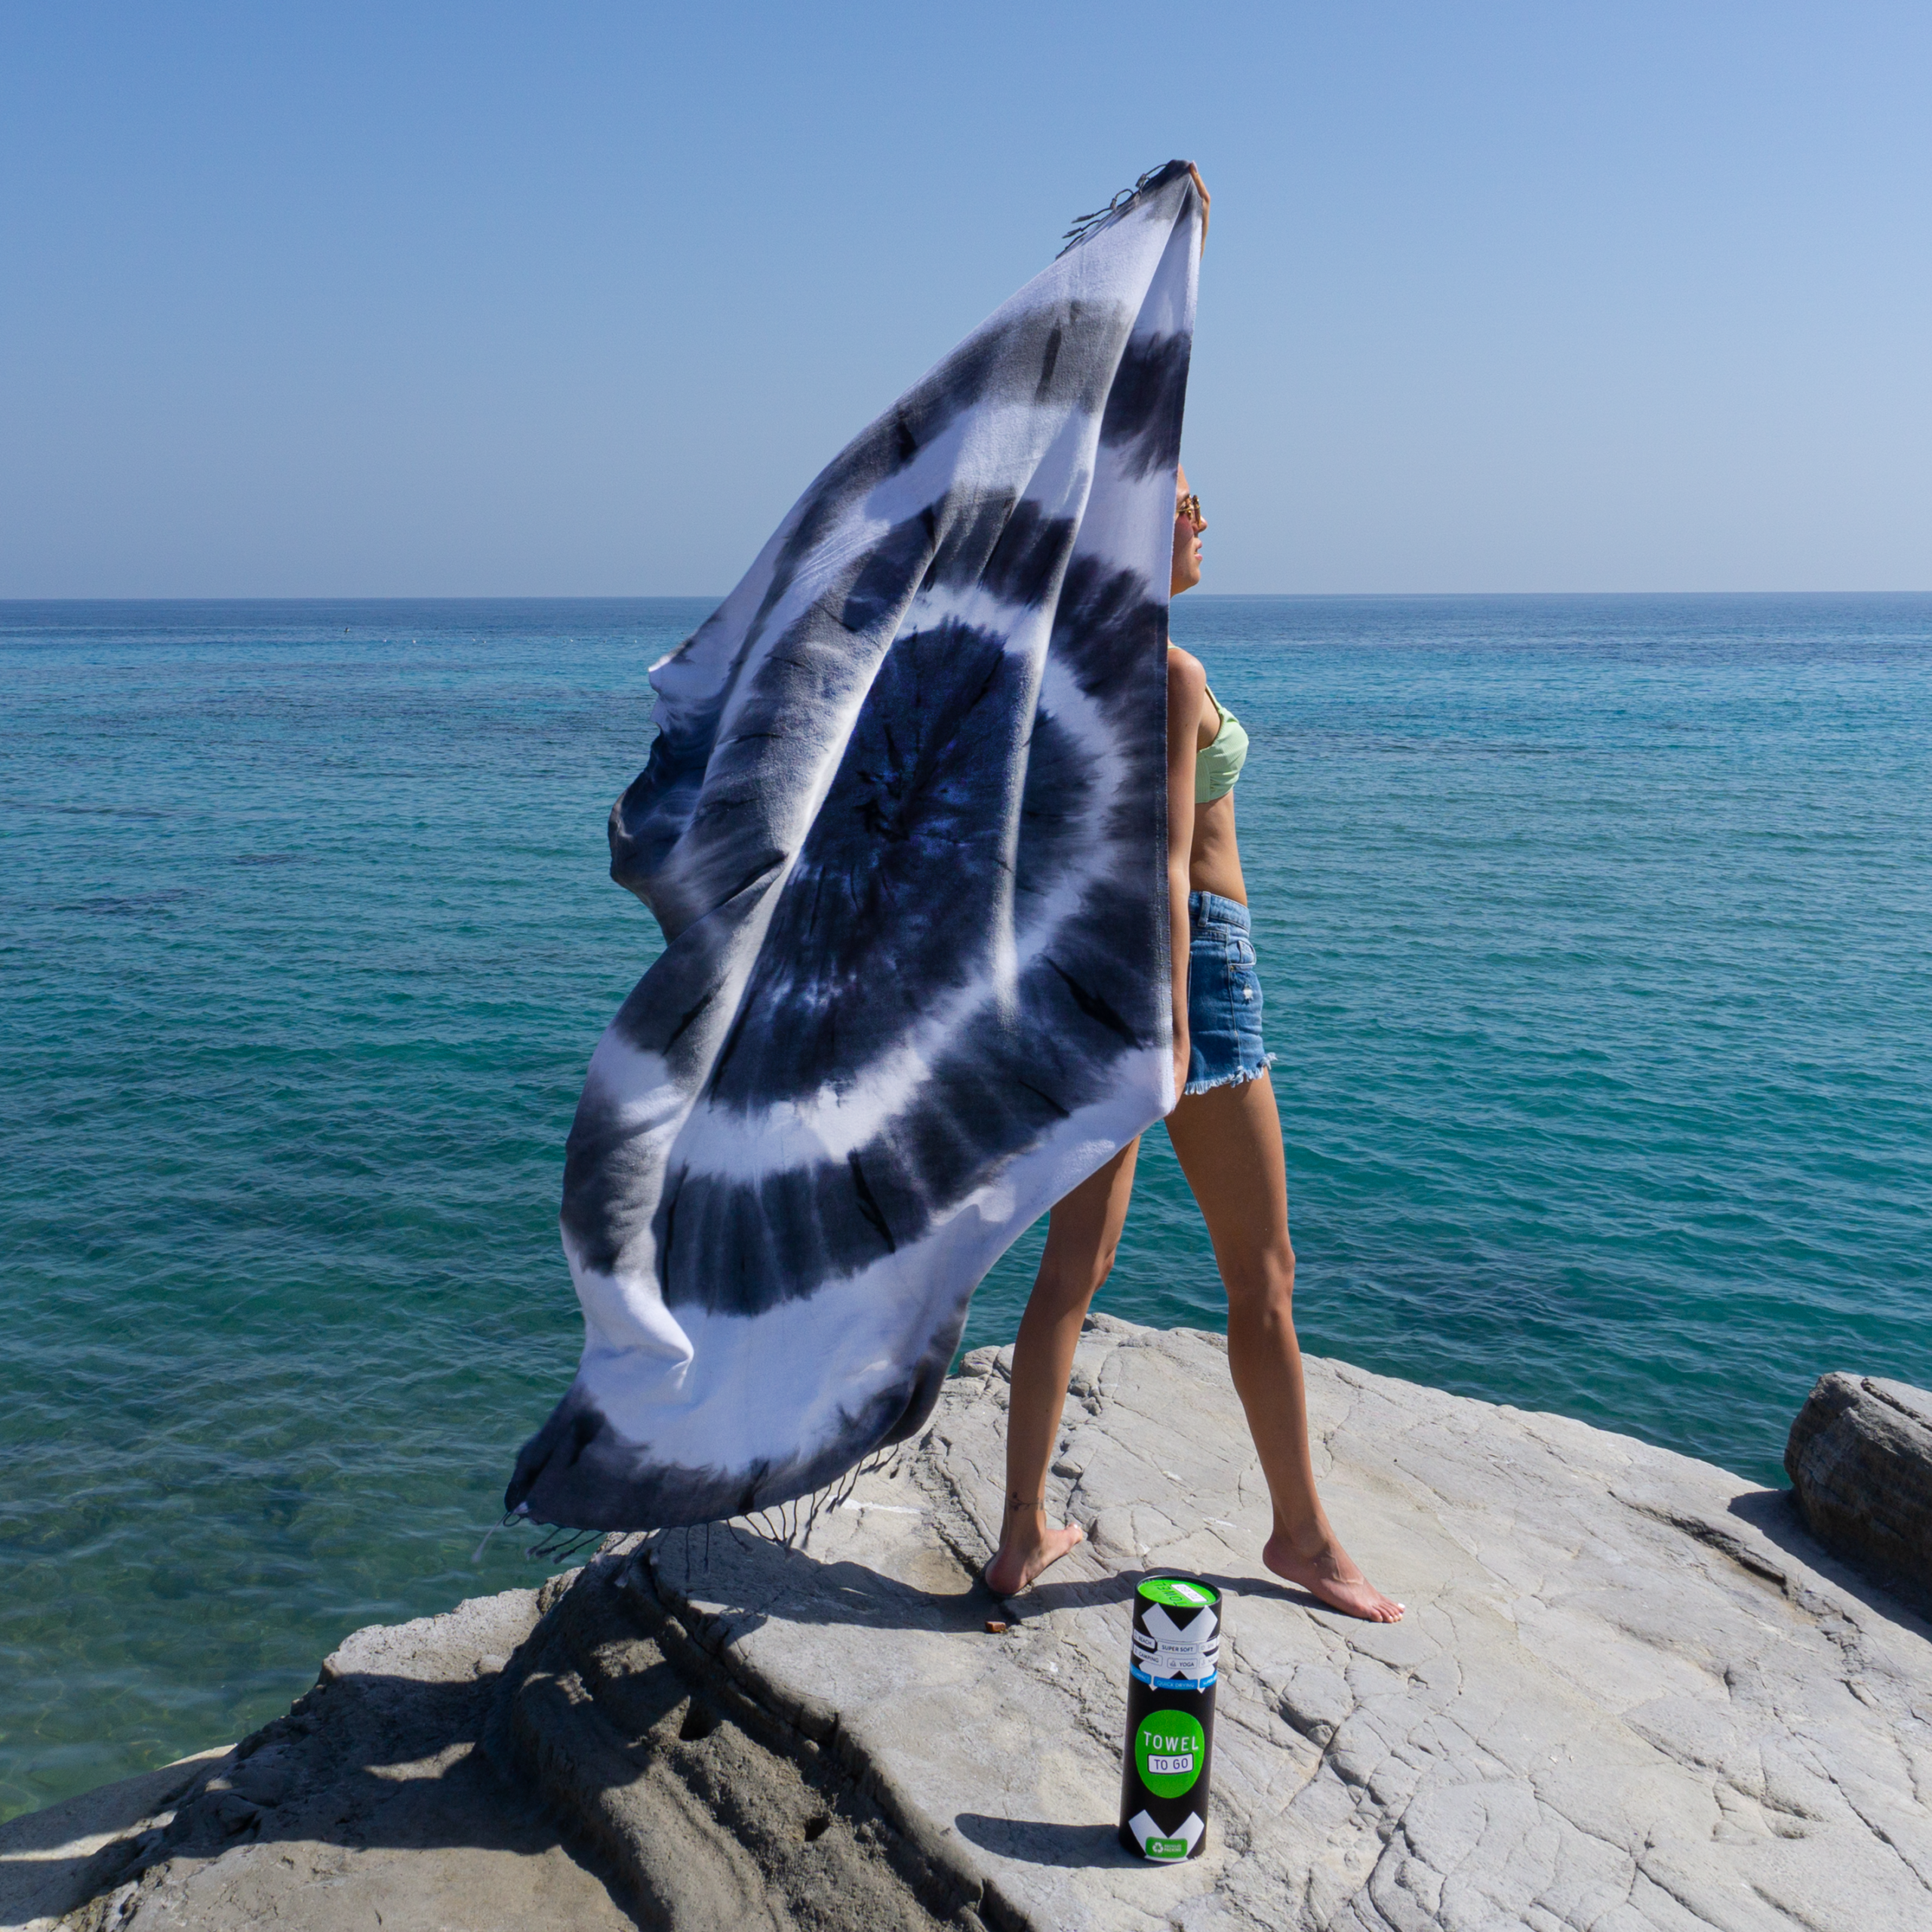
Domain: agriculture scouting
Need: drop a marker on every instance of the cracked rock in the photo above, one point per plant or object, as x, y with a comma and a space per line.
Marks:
1632, 1693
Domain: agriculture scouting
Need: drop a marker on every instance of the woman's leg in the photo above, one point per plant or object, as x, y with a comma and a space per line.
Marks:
1229, 1142
1081, 1236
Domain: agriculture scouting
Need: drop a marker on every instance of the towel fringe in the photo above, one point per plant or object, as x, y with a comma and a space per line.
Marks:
560, 1544
1086, 227
786, 1525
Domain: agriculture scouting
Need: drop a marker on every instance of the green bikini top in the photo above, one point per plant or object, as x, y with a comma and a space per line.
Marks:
1216, 768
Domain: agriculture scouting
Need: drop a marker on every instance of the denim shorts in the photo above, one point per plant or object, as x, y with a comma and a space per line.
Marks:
1224, 996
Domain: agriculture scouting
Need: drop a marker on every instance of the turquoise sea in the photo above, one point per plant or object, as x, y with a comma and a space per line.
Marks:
1594, 937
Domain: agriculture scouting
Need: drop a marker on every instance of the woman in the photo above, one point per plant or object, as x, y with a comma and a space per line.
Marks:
1228, 1135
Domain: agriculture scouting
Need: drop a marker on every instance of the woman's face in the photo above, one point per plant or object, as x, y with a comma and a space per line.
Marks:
1188, 524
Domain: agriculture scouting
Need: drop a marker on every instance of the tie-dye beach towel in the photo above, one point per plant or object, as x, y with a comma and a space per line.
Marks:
904, 827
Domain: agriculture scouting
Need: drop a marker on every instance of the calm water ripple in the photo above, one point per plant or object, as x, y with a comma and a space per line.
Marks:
1593, 932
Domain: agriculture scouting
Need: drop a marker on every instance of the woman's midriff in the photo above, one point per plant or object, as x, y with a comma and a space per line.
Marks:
1214, 864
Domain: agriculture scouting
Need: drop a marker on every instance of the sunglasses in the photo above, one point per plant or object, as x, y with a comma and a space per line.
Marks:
1190, 508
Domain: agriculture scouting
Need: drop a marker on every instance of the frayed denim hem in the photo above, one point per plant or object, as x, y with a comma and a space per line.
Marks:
1239, 1077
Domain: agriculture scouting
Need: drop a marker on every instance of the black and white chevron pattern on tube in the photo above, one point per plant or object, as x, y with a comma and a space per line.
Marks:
904, 827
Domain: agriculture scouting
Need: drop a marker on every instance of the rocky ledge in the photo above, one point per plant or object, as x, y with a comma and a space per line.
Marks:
1631, 1692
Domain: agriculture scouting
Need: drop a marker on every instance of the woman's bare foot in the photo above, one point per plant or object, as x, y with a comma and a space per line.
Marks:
1330, 1575
1026, 1549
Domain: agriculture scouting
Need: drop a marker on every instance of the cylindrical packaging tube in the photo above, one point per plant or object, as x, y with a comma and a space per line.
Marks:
1175, 1663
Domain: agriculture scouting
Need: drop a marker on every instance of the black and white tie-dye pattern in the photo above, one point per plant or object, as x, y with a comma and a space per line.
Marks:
904, 826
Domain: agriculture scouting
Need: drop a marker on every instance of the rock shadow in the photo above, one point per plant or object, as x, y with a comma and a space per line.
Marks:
1775, 1514
752, 1584
1030, 1841
364, 1762
752, 1581
1096, 1592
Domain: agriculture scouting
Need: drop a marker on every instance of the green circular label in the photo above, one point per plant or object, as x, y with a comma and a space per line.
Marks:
1181, 1593
1168, 1750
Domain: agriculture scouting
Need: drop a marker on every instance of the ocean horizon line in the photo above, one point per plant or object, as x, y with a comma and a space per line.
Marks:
311, 600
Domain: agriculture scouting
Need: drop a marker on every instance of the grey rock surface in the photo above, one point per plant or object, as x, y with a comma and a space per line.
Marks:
718, 1812
1633, 1694
1631, 1691
1860, 1459
370, 1804
50, 1861
421, 1785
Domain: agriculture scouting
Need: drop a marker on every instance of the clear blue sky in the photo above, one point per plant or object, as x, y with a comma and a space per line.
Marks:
492, 299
